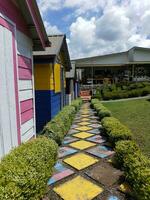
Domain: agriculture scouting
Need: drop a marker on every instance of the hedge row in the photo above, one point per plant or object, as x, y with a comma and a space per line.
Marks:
115, 130
126, 94
101, 110
24, 172
57, 128
128, 155
136, 167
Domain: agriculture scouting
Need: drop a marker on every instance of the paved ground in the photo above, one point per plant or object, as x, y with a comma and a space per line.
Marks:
84, 170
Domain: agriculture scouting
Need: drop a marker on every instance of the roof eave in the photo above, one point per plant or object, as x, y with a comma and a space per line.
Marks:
35, 24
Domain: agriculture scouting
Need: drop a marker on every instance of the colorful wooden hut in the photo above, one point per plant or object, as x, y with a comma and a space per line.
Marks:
50, 81
72, 84
21, 31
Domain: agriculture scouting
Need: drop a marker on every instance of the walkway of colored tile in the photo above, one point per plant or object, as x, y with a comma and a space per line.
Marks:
84, 170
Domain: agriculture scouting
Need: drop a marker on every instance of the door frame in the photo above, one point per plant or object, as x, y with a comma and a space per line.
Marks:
9, 25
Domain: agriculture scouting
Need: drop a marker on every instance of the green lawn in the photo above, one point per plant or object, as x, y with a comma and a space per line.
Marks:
136, 115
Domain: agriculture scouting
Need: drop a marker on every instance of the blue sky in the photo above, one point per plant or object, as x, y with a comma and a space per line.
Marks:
98, 27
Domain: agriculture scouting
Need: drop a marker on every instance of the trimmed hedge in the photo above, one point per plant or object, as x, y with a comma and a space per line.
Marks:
77, 103
115, 130
101, 110
57, 128
123, 90
136, 167
128, 155
24, 172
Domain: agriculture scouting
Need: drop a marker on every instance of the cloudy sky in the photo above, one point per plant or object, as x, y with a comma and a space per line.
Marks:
96, 27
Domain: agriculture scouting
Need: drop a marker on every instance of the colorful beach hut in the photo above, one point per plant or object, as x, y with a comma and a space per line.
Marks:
50, 79
21, 31
72, 84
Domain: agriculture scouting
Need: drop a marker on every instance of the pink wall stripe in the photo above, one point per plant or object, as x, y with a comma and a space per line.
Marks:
26, 116
25, 74
6, 24
24, 62
25, 68
26, 105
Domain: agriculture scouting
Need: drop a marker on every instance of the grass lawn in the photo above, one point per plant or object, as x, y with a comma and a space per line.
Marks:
136, 115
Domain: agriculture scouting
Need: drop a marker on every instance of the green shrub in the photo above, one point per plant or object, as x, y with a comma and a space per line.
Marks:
136, 167
57, 128
115, 130
24, 172
137, 171
52, 131
104, 112
77, 103
124, 148
123, 90
100, 109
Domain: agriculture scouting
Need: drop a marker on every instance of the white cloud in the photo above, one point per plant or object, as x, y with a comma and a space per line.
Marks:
121, 27
51, 30
46, 5
113, 25
101, 26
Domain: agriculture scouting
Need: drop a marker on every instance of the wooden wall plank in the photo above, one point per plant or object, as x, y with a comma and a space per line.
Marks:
25, 95
27, 126
26, 116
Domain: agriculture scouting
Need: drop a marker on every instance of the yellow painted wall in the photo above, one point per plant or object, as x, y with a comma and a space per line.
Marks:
57, 77
44, 78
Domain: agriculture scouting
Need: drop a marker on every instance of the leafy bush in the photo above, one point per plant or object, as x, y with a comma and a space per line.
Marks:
77, 103
60, 124
24, 172
123, 90
136, 167
123, 148
115, 130
101, 110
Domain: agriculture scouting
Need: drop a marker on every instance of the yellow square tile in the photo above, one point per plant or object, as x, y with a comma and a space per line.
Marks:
83, 135
85, 119
82, 144
83, 123
78, 188
80, 161
85, 115
83, 128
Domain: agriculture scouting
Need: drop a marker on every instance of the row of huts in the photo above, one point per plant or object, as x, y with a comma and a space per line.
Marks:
36, 76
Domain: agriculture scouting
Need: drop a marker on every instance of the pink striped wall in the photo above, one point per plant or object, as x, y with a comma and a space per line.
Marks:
24, 68
26, 105
25, 73
26, 116
24, 62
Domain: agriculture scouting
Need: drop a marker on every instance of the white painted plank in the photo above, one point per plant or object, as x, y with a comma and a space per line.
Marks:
24, 45
25, 95
29, 134
8, 124
27, 126
11, 87
25, 85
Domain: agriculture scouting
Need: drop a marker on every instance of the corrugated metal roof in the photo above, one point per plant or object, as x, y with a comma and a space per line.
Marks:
58, 44
133, 55
54, 49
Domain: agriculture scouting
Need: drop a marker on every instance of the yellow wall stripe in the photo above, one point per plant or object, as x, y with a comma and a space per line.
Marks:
57, 77
44, 79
